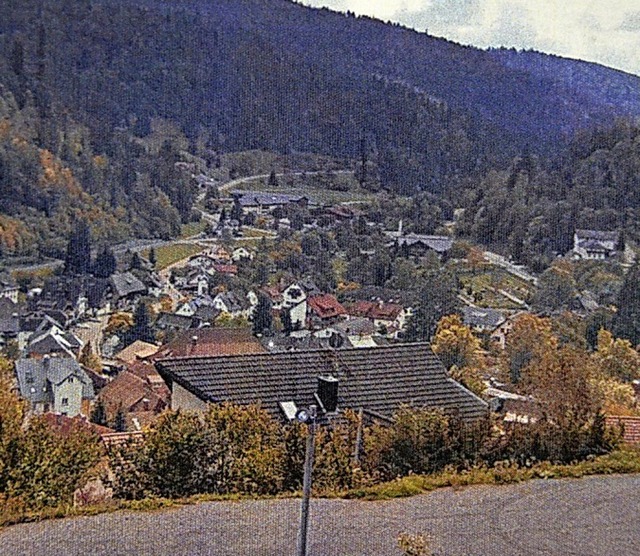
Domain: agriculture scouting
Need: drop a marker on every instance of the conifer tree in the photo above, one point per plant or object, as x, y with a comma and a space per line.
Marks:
78, 256
626, 323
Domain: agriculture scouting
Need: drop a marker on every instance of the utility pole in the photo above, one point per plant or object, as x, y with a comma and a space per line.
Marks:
309, 417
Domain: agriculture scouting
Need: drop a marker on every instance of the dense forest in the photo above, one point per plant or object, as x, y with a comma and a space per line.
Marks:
532, 209
100, 99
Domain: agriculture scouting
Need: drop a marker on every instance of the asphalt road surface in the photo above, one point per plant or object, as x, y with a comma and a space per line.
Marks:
596, 516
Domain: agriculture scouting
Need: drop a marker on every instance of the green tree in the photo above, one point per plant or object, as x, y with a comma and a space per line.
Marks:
153, 259
105, 264
99, 414
141, 329
262, 315
78, 255
626, 323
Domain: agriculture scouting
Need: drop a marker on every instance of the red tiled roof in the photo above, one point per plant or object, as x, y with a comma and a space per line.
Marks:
226, 268
64, 425
210, 342
375, 310
326, 306
131, 393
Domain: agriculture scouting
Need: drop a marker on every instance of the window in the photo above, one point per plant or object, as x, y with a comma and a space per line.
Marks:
70, 380
65, 401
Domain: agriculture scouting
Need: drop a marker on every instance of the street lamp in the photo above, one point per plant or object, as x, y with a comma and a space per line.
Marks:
307, 416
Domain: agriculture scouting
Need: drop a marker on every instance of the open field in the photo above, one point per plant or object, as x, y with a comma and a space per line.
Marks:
167, 255
594, 516
316, 187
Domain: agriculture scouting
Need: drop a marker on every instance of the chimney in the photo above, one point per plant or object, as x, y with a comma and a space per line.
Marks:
400, 227
328, 393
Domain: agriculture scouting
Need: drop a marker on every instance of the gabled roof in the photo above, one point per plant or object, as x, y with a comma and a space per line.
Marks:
379, 380
178, 322
375, 310
257, 199
326, 306
136, 350
232, 302
52, 341
125, 284
35, 377
127, 390
10, 316
598, 235
210, 342
439, 244
481, 317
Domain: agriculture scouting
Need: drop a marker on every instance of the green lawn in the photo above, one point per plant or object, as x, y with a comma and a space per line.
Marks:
170, 254
192, 229
315, 187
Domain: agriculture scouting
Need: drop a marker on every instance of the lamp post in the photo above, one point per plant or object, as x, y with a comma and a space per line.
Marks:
307, 416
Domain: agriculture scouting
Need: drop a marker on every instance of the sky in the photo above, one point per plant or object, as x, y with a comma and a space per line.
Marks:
603, 31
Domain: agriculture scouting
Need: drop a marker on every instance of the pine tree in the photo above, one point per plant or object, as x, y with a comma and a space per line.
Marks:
119, 421
262, 317
78, 256
105, 264
141, 329
273, 179
152, 257
99, 414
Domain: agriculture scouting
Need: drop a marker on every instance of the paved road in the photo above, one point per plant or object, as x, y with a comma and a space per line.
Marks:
595, 516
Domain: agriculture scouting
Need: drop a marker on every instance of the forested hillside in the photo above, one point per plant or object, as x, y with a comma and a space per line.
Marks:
87, 83
532, 209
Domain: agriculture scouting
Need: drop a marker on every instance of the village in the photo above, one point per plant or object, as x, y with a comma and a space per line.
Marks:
274, 295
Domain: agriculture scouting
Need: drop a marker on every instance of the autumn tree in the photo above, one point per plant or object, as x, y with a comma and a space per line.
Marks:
616, 357
529, 339
12, 412
626, 322
89, 358
454, 343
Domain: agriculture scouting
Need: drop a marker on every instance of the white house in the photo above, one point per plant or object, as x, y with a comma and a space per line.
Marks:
595, 244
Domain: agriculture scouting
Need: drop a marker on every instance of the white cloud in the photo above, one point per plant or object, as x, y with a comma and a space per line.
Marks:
604, 31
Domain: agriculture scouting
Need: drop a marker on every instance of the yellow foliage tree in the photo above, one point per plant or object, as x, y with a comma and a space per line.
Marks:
616, 357
11, 418
530, 338
454, 343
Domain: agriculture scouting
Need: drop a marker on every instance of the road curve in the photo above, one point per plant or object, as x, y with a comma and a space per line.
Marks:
595, 516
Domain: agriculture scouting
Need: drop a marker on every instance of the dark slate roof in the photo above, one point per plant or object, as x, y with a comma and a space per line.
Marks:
35, 377
10, 316
440, 244
175, 321
485, 318
125, 284
257, 198
378, 380
597, 235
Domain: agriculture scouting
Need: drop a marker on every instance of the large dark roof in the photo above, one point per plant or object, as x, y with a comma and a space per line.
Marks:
378, 380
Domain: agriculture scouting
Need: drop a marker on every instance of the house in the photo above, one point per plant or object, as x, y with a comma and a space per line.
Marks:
420, 244
10, 313
191, 307
228, 269
258, 202
391, 317
241, 254
134, 397
8, 288
135, 351
377, 381
234, 305
126, 288
175, 322
51, 339
482, 320
325, 308
55, 384
206, 342
595, 244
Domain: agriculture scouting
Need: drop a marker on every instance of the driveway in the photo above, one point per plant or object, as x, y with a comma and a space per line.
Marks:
595, 516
